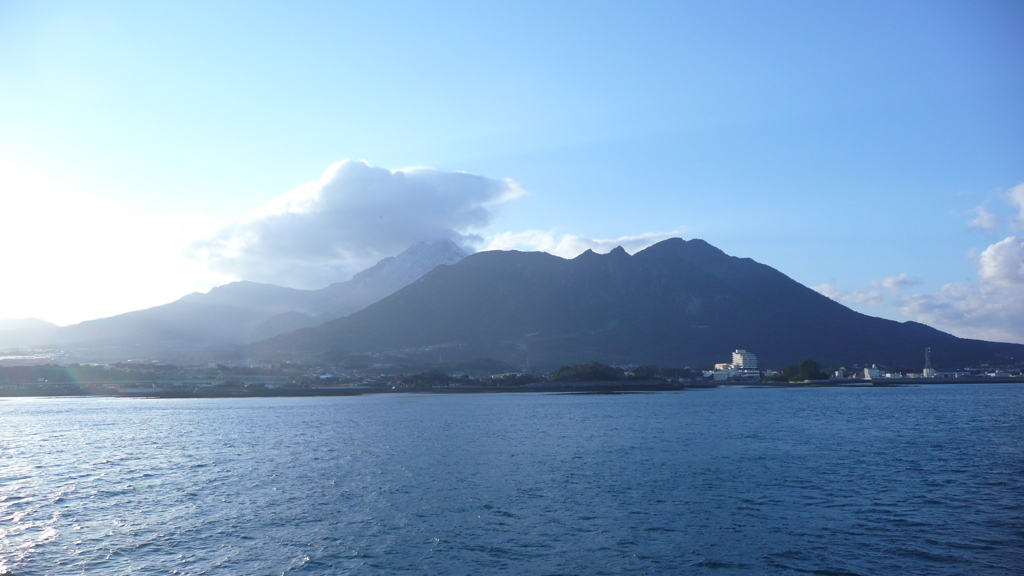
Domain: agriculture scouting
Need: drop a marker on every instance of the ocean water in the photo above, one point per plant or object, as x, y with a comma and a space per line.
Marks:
920, 480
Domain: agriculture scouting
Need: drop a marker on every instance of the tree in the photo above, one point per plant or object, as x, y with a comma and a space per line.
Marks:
593, 372
427, 379
647, 372
806, 370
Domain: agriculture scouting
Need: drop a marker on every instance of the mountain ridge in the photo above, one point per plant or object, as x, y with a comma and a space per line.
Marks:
674, 303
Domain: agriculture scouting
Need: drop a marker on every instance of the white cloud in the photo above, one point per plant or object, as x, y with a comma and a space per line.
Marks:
977, 310
1003, 263
999, 209
828, 289
354, 215
985, 220
897, 283
571, 245
1015, 196
870, 297
990, 309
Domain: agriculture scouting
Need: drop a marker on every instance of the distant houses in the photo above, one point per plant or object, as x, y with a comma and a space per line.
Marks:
744, 368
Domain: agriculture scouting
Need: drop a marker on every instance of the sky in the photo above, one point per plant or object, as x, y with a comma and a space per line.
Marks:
871, 150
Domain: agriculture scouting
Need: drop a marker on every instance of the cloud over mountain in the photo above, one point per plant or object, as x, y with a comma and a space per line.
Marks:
571, 245
991, 308
355, 214
873, 296
977, 310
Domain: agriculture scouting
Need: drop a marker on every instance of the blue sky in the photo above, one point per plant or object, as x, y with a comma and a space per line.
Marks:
842, 143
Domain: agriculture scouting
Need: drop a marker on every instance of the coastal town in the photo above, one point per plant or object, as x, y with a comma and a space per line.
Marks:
39, 375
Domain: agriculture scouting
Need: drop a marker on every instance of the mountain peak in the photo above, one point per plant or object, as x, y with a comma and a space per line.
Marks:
698, 244
696, 250
617, 252
413, 263
434, 247
388, 276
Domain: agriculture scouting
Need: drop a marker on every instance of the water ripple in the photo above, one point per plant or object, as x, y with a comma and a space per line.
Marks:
925, 480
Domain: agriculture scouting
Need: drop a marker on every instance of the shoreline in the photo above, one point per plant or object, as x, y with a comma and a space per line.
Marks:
610, 387
296, 392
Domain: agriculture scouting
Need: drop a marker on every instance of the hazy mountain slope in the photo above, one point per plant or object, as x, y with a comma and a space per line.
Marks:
382, 279
223, 315
280, 324
21, 332
248, 311
675, 303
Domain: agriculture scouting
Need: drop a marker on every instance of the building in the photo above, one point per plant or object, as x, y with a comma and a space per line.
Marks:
723, 374
744, 360
743, 367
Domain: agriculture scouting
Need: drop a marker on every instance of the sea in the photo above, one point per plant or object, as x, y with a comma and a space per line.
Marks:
830, 481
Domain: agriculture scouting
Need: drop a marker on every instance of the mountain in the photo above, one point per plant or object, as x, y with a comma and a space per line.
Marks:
675, 303
243, 312
21, 332
382, 279
224, 315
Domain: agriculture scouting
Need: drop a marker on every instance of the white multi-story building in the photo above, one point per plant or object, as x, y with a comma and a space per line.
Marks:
743, 367
744, 360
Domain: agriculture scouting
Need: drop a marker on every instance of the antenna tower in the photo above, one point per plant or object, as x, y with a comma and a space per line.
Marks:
929, 371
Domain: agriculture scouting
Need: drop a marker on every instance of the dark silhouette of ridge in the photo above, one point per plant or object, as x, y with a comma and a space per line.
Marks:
675, 303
